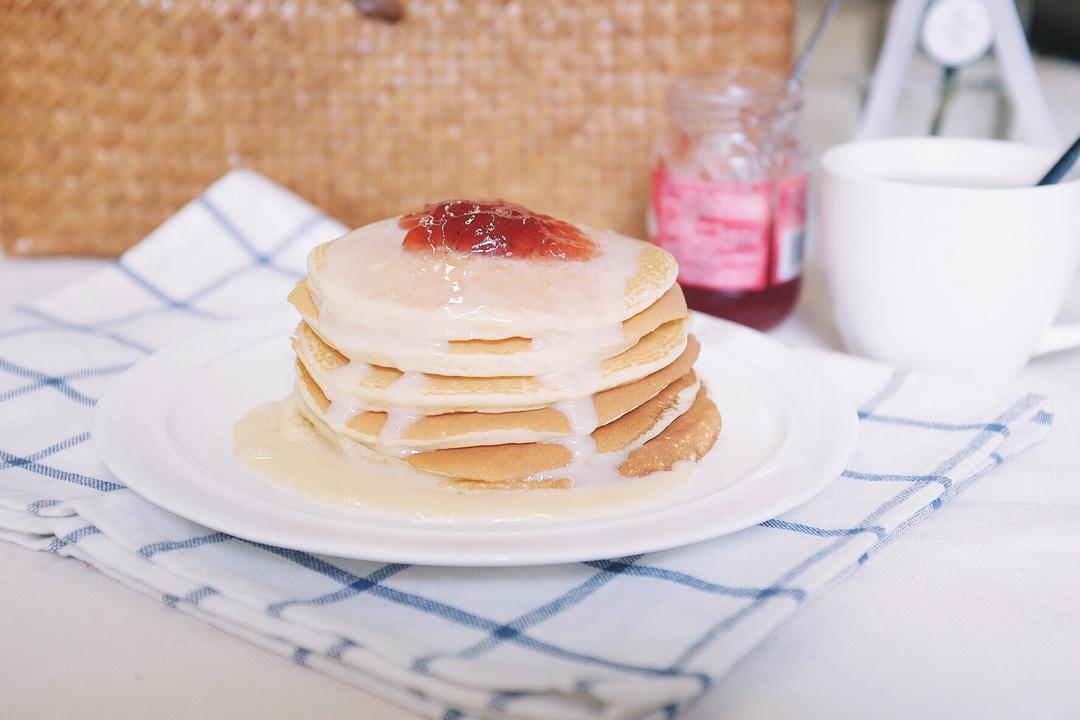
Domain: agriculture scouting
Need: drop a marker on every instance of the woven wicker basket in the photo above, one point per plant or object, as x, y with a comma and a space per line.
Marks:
114, 113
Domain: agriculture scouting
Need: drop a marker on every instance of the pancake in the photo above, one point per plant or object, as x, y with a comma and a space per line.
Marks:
380, 388
369, 279
617, 442
687, 439
607, 406
509, 462
508, 356
462, 429
481, 345
514, 461
648, 419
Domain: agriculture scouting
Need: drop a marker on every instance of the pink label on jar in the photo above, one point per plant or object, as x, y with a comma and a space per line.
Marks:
789, 228
719, 232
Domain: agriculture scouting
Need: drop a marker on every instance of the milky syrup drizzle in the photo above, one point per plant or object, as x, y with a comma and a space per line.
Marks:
581, 414
277, 443
588, 467
411, 353
398, 421
345, 405
400, 415
367, 282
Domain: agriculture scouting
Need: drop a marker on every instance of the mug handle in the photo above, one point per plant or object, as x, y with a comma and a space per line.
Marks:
1059, 337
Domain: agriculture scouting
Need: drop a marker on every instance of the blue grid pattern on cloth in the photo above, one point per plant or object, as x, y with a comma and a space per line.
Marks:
643, 635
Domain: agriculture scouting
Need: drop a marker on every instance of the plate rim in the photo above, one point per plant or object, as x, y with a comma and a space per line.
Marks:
114, 421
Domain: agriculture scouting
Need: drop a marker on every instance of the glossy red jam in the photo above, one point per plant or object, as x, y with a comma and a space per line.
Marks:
493, 228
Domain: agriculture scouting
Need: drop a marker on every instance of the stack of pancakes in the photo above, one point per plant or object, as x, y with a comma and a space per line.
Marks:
493, 347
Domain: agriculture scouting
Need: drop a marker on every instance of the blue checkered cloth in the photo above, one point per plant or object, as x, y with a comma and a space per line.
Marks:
629, 637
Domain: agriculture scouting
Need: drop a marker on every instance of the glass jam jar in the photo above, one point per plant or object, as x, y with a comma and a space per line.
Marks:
729, 193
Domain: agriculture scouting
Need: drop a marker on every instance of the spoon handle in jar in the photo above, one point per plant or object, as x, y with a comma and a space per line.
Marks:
823, 22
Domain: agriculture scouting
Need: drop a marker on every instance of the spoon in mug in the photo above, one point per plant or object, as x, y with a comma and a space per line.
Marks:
1062, 166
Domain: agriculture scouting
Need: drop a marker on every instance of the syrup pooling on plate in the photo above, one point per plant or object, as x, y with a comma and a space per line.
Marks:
278, 443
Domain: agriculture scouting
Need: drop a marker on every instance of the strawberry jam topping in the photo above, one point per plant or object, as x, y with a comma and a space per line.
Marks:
494, 228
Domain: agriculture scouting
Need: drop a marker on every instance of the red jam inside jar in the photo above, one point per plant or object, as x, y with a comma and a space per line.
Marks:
493, 228
729, 194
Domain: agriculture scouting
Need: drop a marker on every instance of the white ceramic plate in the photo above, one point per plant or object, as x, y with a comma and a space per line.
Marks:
165, 429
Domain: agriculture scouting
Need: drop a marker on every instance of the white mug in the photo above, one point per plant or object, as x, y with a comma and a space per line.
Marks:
940, 254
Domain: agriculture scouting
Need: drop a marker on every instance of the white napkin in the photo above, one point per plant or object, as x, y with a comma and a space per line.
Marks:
620, 638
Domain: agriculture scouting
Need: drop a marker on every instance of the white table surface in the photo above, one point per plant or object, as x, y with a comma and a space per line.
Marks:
934, 626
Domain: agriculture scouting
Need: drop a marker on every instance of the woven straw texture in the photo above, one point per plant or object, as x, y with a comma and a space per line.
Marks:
114, 114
